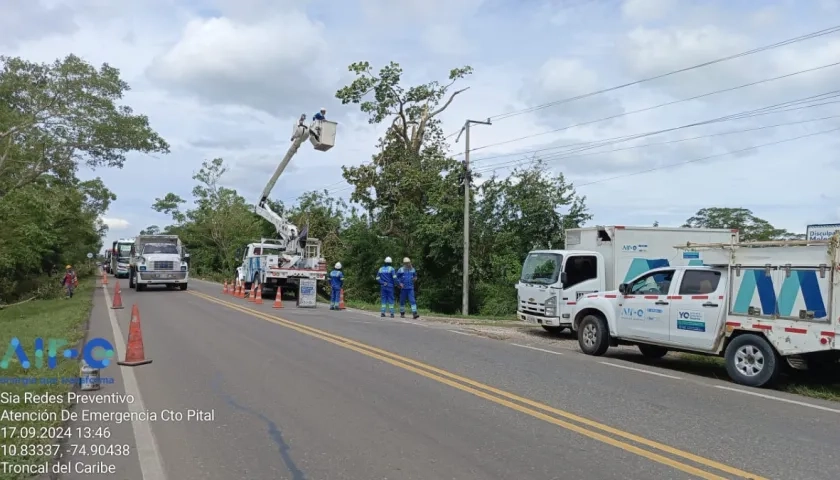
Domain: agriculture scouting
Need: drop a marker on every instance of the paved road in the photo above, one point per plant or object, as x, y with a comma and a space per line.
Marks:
314, 394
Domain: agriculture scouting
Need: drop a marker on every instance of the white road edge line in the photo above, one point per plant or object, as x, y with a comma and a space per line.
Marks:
537, 349
771, 397
148, 454
641, 370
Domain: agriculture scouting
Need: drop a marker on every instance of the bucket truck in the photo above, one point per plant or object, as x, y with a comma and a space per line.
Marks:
283, 261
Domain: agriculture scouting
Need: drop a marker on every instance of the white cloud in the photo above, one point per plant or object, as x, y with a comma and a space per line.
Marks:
646, 10
116, 223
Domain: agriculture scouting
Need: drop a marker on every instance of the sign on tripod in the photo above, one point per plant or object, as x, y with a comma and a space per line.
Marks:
307, 293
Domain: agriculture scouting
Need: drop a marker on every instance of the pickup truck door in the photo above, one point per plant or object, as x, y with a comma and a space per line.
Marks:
645, 310
696, 309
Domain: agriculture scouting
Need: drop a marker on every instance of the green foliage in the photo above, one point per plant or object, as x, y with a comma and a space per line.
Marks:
54, 117
750, 227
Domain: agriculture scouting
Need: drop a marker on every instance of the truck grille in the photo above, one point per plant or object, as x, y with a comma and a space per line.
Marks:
163, 265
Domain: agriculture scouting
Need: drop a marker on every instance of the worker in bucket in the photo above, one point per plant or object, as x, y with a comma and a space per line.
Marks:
387, 278
406, 276
322, 115
336, 284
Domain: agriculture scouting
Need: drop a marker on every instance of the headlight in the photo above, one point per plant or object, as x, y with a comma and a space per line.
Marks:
183, 267
551, 307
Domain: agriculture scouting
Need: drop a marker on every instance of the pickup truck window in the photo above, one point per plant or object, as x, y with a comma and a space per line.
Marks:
699, 282
541, 268
656, 283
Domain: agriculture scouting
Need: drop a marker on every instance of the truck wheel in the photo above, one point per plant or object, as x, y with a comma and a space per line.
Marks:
182, 286
752, 361
653, 351
554, 330
593, 336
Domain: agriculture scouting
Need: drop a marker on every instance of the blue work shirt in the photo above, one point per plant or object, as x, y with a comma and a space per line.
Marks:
319, 116
387, 277
406, 277
336, 279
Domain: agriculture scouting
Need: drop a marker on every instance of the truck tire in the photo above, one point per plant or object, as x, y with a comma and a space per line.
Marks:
752, 361
182, 286
653, 351
593, 335
554, 330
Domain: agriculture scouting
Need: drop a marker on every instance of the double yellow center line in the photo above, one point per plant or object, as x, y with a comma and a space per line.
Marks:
583, 426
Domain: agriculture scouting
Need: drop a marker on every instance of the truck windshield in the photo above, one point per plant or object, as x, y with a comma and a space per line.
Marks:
160, 248
542, 268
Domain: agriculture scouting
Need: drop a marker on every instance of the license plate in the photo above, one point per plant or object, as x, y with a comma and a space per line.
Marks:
530, 319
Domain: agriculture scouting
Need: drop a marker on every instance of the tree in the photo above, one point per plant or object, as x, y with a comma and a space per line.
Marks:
750, 227
150, 230
58, 115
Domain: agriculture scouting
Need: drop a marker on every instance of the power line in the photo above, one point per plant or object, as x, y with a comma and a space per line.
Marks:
783, 43
716, 92
646, 145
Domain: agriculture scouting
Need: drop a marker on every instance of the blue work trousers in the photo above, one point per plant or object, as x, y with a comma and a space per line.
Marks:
387, 296
407, 294
335, 297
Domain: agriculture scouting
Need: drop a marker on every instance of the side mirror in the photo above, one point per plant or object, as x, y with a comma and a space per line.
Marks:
623, 288
563, 278
186, 255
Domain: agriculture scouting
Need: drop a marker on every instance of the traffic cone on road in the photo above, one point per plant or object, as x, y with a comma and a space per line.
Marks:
341, 300
252, 293
239, 293
117, 303
258, 300
104, 278
278, 299
134, 353
225, 288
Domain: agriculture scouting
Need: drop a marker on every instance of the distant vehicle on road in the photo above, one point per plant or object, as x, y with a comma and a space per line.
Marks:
158, 260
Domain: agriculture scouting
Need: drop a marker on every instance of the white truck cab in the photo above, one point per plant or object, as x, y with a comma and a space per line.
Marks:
158, 260
597, 259
759, 305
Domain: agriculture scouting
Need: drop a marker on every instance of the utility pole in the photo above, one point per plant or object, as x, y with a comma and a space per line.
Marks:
465, 295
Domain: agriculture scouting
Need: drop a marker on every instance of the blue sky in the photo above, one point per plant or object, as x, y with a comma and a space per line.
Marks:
227, 78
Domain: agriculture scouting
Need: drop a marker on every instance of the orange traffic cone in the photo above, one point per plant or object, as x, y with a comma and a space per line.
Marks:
104, 278
224, 288
252, 293
231, 288
117, 303
341, 300
278, 299
135, 354
258, 300
239, 293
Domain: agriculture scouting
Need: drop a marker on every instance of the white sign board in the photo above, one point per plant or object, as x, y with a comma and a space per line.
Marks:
821, 231
307, 293
90, 255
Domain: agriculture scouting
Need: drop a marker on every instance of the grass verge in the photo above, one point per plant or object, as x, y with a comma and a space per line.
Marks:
58, 318
800, 384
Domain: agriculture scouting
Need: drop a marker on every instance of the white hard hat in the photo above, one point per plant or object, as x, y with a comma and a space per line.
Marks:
406, 260
388, 260
338, 266
323, 109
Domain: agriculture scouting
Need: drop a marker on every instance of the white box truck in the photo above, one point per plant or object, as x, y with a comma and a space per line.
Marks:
598, 259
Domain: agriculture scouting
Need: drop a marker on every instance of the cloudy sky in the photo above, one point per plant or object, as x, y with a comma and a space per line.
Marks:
227, 78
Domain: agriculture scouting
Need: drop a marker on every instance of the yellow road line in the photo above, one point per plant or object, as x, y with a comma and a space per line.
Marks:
466, 384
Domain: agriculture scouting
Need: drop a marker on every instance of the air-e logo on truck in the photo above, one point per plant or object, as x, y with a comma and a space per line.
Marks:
103, 348
633, 313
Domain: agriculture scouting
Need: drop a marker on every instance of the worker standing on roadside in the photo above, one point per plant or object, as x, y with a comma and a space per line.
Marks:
69, 281
407, 275
336, 284
387, 278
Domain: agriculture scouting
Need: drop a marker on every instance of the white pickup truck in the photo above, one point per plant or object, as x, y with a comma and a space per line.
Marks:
270, 265
759, 305
597, 259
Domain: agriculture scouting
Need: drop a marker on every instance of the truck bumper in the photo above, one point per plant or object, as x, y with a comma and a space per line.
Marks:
161, 278
548, 321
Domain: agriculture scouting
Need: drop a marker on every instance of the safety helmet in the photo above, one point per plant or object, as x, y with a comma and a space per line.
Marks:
68, 267
323, 110
338, 266
406, 260
388, 260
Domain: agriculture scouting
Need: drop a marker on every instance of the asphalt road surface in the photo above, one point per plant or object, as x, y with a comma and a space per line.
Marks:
316, 394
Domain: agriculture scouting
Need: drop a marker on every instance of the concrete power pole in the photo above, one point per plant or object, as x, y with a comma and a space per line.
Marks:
465, 295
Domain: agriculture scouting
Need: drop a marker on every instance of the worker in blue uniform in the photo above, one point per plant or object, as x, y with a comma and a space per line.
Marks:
322, 115
336, 284
407, 275
387, 278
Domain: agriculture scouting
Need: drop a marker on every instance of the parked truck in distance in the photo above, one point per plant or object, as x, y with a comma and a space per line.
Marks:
598, 259
158, 260
121, 257
763, 306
